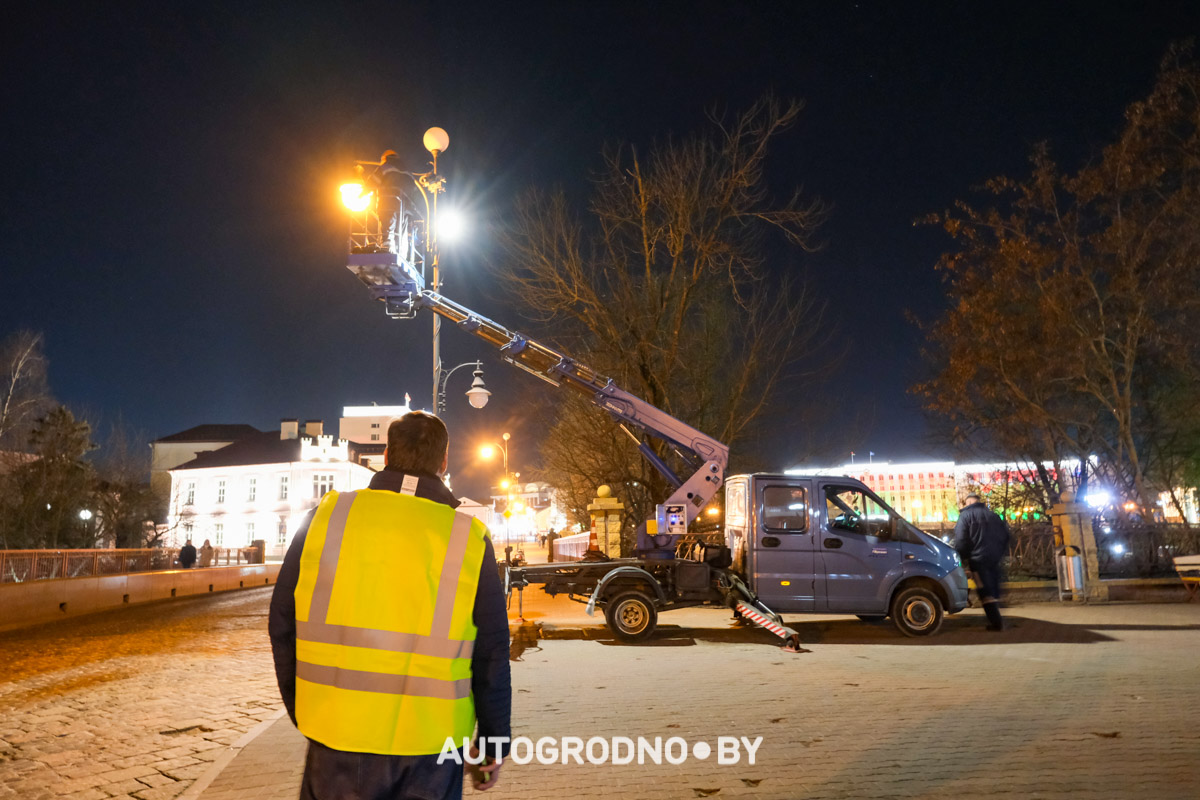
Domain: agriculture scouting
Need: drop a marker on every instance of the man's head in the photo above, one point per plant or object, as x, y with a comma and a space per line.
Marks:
417, 442
388, 154
972, 499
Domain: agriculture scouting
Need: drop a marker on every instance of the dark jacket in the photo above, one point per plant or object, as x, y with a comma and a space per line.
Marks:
187, 556
981, 535
490, 679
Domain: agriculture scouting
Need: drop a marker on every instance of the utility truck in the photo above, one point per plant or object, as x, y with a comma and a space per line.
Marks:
815, 544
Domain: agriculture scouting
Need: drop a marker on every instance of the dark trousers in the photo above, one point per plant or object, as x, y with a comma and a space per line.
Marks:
336, 775
989, 577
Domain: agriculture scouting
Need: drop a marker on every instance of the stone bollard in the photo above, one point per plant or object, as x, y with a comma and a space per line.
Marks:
1072, 521
605, 511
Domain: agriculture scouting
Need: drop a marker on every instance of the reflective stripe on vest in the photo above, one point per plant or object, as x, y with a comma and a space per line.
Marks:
375, 675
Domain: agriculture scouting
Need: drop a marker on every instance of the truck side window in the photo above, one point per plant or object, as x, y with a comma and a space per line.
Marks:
849, 509
785, 508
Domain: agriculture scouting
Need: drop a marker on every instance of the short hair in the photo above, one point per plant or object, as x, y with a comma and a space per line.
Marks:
417, 442
975, 497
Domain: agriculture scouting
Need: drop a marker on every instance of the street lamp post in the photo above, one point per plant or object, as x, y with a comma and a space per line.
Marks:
506, 484
436, 141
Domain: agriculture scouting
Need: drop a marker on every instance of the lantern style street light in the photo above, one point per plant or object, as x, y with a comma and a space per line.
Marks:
477, 395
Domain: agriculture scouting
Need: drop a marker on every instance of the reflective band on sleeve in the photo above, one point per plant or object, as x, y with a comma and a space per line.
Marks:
334, 531
391, 641
456, 553
359, 681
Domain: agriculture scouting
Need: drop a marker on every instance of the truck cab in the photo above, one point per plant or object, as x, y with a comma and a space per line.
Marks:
829, 545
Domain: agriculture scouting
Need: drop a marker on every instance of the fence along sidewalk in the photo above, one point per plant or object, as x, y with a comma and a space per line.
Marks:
20, 566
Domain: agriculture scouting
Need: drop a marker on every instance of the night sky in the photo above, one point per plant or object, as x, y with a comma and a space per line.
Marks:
170, 218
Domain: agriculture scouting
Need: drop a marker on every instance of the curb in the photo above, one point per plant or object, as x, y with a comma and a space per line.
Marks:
213, 772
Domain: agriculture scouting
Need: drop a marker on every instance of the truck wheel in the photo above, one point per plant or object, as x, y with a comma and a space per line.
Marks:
631, 616
917, 611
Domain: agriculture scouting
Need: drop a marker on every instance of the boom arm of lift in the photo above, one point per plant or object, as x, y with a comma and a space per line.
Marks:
400, 288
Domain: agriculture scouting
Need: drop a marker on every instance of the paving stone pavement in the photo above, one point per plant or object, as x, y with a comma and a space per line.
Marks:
135, 703
1078, 701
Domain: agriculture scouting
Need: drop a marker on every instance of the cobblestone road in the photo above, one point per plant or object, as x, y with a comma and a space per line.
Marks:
134, 703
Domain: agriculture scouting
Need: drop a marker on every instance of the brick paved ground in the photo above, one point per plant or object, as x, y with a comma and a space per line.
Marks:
1086, 702
134, 703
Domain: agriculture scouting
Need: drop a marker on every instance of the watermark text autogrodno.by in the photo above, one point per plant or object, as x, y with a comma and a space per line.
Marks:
729, 750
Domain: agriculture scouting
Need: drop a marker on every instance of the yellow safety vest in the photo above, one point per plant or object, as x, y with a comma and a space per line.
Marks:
384, 623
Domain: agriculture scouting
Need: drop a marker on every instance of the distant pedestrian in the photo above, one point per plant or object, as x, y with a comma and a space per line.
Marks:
187, 555
981, 539
550, 537
206, 554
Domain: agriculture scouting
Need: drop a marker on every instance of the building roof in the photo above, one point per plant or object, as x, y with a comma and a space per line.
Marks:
212, 433
260, 448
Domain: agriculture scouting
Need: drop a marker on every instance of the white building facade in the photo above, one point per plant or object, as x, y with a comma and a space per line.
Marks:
259, 488
367, 426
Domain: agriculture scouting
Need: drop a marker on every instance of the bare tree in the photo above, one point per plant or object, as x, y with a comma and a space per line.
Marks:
24, 394
123, 498
665, 287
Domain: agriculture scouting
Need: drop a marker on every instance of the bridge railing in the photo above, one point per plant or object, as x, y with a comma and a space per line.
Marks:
19, 566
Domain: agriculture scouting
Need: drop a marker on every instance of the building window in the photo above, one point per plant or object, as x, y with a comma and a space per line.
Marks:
219, 534
191, 494
221, 491
374, 437
187, 529
281, 535
283, 487
322, 483
374, 424
251, 490
249, 533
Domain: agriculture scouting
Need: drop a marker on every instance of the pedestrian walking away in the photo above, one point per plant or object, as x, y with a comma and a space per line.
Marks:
981, 538
382, 660
187, 555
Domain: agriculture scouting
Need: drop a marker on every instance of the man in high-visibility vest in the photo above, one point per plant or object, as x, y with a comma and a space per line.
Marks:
390, 633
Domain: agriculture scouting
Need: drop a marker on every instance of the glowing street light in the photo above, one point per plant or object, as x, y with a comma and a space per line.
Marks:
354, 198
489, 450
451, 225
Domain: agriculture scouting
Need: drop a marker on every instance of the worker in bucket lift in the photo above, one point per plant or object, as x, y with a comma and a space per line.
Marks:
389, 183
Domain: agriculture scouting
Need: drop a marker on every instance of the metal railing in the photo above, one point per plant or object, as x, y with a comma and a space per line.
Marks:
19, 566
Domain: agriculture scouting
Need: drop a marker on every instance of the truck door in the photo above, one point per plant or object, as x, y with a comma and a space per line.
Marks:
783, 558
856, 550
